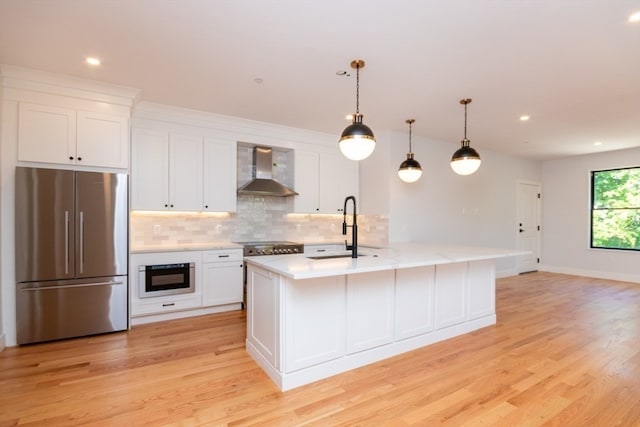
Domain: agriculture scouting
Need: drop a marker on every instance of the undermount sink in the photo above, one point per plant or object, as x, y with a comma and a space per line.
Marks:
332, 256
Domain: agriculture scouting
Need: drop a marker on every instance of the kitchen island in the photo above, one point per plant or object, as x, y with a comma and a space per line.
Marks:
311, 317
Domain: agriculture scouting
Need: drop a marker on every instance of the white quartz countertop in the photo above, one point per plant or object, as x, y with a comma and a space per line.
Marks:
396, 256
184, 247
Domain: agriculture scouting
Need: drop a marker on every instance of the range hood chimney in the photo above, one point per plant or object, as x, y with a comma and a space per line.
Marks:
263, 183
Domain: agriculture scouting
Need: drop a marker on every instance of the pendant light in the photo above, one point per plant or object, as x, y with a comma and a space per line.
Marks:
357, 141
410, 170
465, 160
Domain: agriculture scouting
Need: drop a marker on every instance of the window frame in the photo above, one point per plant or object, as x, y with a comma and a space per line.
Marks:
592, 209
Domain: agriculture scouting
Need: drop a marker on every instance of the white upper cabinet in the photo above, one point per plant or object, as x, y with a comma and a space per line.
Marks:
307, 182
166, 171
150, 170
46, 134
185, 173
323, 181
339, 178
180, 172
219, 175
59, 135
102, 140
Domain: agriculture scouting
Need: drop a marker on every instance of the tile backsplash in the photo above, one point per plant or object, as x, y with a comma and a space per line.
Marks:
256, 219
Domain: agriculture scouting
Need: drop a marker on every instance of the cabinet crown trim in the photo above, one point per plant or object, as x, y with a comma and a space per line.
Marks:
59, 84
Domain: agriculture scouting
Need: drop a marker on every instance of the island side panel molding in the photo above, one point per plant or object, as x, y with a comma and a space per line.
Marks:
414, 304
314, 319
370, 309
450, 294
313, 328
482, 289
263, 314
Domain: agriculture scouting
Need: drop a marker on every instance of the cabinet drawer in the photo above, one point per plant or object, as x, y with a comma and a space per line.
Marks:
319, 249
165, 304
222, 255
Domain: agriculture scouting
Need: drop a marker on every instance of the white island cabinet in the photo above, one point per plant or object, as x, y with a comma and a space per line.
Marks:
309, 319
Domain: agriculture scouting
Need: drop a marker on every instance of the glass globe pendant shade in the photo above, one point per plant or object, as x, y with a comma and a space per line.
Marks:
465, 160
410, 170
357, 141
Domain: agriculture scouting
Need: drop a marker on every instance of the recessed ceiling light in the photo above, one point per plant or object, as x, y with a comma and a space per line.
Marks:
634, 17
92, 61
258, 80
597, 143
524, 118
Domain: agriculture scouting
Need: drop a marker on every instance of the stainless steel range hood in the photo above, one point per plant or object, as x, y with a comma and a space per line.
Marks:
263, 183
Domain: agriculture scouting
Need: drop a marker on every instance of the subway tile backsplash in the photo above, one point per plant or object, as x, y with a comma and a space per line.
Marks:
256, 219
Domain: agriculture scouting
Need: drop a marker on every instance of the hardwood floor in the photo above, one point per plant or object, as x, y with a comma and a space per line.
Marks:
565, 352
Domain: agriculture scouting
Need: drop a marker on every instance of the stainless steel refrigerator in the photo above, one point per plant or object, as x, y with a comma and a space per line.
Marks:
71, 253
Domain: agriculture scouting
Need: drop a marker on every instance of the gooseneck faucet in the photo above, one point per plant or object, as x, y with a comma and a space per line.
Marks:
354, 228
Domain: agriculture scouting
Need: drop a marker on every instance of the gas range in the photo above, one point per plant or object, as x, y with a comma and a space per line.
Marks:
271, 248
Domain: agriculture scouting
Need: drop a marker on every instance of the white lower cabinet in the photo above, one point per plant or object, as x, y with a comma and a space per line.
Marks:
218, 284
450, 294
482, 288
370, 310
263, 314
414, 302
323, 248
312, 336
222, 277
167, 304
300, 331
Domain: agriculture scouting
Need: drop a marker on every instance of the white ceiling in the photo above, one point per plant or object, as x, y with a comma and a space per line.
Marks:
572, 65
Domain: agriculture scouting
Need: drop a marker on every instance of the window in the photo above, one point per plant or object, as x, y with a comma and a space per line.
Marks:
615, 209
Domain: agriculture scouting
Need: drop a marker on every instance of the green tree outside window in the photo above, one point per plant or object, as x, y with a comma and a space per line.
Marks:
615, 209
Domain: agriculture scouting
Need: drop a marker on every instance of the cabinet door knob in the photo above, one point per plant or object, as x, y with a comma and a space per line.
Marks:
79, 159
206, 206
171, 205
166, 206
70, 157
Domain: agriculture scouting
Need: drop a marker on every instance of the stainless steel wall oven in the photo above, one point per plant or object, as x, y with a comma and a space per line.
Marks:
166, 279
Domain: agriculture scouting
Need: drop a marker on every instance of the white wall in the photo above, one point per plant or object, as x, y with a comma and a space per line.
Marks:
442, 207
2, 336
566, 218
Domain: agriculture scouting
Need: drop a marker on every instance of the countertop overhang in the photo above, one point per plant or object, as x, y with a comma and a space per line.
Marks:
396, 256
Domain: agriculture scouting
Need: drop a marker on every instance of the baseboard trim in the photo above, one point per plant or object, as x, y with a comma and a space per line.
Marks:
633, 278
3, 342
506, 273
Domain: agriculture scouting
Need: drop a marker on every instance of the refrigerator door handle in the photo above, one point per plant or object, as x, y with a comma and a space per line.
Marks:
66, 242
31, 287
81, 242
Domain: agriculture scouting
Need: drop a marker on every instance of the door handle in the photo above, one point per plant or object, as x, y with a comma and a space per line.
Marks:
81, 242
66, 242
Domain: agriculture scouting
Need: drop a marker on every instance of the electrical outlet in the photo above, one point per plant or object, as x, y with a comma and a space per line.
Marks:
157, 229
218, 229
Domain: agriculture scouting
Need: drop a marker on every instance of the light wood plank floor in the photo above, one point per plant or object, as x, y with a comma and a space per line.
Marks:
565, 352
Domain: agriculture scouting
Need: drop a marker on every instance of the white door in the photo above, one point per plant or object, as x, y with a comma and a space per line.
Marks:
528, 223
